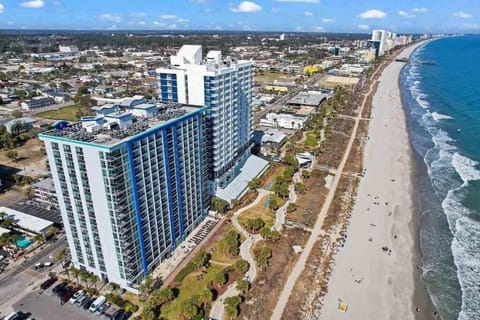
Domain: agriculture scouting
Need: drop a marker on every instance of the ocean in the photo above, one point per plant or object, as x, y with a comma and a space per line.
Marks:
442, 103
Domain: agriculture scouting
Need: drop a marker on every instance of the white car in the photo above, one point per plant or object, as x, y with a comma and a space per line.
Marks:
77, 295
48, 264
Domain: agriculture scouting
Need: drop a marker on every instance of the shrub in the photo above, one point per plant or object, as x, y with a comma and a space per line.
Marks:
190, 267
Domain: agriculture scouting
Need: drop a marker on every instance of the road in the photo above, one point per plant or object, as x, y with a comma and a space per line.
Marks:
281, 102
317, 229
16, 281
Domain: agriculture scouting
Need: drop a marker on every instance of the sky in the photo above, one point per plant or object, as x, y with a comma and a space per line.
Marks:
404, 16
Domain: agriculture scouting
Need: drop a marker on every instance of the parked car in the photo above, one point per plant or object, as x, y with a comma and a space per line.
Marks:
59, 287
38, 265
47, 283
126, 315
68, 294
82, 300
87, 304
76, 296
63, 290
97, 303
118, 315
101, 310
48, 264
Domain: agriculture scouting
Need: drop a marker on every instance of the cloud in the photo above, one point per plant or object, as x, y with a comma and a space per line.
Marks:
208, 10
275, 10
318, 29
168, 16
110, 17
373, 14
1, 8
328, 20
299, 28
172, 26
405, 14
363, 27
34, 4
181, 20
56, 3
246, 7
420, 10
462, 15
304, 1
308, 13
160, 24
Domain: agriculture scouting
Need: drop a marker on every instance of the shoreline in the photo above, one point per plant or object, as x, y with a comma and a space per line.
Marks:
361, 267
417, 167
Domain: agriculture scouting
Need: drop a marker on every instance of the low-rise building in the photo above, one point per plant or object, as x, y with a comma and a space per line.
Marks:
37, 102
19, 125
44, 194
283, 120
27, 223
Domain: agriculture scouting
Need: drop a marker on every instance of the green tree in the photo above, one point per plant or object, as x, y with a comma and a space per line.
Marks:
8, 222
76, 273
253, 184
188, 309
300, 188
291, 207
12, 155
85, 277
306, 174
265, 232
255, 224
231, 306
146, 286
201, 259
52, 274
242, 285
61, 256
232, 243
220, 278
205, 296
273, 204
241, 266
220, 205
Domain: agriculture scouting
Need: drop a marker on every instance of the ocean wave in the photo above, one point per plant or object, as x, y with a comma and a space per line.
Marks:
466, 249
439, 116
465, 168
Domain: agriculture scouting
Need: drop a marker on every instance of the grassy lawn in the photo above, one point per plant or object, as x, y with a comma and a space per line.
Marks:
269, 77
311, 140
65, 113
218, 254
190, 286
273, 173
259, 211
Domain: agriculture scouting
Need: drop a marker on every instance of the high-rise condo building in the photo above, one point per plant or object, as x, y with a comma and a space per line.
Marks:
131, 184
224, 86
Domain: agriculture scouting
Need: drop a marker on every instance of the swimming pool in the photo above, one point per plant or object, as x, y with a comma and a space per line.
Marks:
23, 243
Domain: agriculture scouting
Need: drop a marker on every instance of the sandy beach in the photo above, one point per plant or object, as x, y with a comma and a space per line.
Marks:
376, 273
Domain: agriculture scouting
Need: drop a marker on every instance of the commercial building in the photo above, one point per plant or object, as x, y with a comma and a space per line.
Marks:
131, 185
283, 120
224, 86
27, 223
19, 125
381, 37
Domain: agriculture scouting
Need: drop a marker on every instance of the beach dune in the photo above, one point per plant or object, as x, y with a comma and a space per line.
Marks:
376, 273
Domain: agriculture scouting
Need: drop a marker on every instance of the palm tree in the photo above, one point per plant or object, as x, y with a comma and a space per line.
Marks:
76, 273
188, 309
14, 237
93, 280
85, 276
61, 256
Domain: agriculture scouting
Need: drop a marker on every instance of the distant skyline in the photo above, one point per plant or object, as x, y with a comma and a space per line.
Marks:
408, 16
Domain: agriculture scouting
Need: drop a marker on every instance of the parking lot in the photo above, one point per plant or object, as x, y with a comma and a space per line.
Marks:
46, 306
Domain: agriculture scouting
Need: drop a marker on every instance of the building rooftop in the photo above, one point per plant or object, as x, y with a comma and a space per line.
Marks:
27, 222
45, 184
309, 98
116, 124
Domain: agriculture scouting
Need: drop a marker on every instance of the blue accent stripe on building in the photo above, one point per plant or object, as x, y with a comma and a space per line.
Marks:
138, 218
200, 157
178, 180
169, 188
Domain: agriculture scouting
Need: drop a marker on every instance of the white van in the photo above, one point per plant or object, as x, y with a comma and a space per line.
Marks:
11, 316
97, 303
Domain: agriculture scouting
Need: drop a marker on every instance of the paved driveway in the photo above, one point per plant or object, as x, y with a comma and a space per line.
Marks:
46, 306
